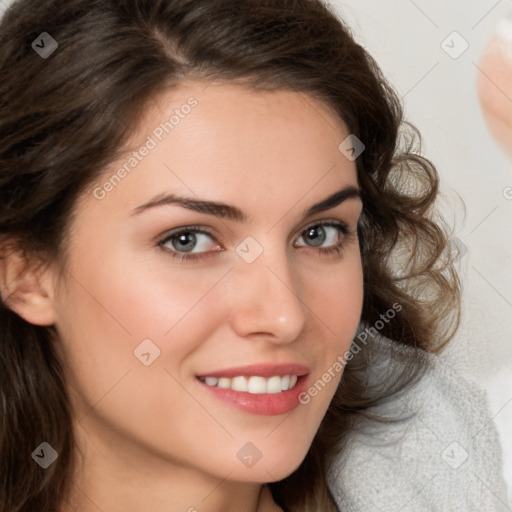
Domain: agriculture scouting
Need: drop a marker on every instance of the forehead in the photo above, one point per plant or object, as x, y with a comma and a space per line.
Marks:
222, 141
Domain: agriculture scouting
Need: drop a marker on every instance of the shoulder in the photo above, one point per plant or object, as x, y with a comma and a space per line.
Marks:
443, 454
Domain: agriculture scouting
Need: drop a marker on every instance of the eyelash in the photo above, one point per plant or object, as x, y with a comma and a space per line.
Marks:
327, 251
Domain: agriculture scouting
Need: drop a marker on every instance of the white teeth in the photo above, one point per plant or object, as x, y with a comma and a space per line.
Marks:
255, 385
274, 385
224, 383
211, 381
239, 384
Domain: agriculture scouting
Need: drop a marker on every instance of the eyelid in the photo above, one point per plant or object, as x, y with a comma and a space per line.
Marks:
183, 229
325, 222
211, 232
336, 223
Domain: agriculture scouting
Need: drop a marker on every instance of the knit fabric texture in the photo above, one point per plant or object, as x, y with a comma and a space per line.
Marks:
444, 455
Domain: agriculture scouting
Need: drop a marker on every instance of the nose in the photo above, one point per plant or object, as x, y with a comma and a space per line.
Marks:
266, 300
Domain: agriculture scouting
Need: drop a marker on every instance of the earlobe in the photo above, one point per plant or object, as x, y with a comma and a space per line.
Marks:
25, 287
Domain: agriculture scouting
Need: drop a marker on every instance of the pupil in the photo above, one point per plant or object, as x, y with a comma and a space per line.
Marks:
316, 235
184, 242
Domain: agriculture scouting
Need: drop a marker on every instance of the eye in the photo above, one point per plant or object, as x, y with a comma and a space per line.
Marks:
323, 235
195, 242
190, 243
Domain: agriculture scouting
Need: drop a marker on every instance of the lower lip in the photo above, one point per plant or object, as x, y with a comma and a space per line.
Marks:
268, 404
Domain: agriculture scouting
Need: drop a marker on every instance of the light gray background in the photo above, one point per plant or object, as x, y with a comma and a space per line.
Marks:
440, 98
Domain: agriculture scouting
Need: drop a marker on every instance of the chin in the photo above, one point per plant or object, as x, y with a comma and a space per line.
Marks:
275, 467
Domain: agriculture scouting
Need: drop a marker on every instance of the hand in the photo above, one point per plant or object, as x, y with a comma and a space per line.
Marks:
494, 84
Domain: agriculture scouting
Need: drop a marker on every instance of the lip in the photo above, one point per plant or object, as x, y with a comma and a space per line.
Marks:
260, 370
270, 404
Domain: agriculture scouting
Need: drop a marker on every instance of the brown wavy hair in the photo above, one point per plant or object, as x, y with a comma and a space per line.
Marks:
65, 118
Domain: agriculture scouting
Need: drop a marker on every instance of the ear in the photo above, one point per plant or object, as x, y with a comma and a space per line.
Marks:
25, 286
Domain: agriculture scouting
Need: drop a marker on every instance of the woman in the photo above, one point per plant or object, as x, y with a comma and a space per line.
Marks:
212, 232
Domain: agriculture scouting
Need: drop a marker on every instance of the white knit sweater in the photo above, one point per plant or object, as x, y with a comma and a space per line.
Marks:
446, 457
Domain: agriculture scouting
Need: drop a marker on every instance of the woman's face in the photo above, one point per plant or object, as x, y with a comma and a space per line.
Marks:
164, 286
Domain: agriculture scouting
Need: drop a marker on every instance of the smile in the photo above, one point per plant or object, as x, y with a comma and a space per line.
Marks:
256, 385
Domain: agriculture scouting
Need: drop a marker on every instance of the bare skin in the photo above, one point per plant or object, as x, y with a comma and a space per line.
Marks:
494, 83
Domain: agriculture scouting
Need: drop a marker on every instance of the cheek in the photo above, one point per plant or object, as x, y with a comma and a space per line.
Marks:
144, 297
102, 323
336, 297
113, 303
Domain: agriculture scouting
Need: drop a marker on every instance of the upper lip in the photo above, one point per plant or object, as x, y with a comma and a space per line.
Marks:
261, 370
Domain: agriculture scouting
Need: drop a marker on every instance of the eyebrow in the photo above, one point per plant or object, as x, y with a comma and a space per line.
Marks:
226, 211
